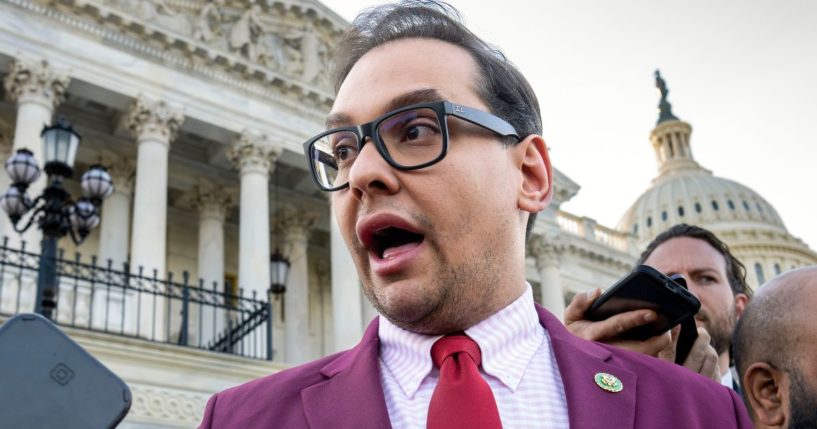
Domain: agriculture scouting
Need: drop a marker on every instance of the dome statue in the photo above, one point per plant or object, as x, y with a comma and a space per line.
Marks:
685, 192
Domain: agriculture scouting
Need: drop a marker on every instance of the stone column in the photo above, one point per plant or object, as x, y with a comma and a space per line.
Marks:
213, 202
154, 123
347, 307
6, 136
254, 155
8, 304
38, 89
113, 241
294, 225
114, 232
547, 252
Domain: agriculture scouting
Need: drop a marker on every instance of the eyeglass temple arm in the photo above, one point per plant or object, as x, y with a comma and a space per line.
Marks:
483, 119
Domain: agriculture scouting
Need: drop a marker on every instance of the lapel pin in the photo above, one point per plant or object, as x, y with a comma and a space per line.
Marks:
608, 382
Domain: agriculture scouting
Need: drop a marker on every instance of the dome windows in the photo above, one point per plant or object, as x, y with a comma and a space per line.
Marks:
777, 269
649, 221
664, 215
681, 211
746, 206
759, 272
698, 208
715, 205
731, 205
635, 229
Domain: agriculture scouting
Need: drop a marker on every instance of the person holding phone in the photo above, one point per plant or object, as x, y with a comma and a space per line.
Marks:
712, 274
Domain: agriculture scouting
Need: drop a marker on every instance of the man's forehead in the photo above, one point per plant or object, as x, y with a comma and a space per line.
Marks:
403, 71
686, 254
423, 95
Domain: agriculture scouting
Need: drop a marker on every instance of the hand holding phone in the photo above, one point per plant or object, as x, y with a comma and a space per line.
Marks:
689, 331
646, 288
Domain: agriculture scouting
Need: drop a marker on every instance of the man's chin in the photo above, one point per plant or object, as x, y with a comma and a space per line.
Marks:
409, 305
404, 310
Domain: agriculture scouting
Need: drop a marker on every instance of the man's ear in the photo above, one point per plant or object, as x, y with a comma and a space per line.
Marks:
741, 300
537, 175
767, 392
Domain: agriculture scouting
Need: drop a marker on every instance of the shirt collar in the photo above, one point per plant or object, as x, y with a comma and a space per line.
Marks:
726, 380
508, 339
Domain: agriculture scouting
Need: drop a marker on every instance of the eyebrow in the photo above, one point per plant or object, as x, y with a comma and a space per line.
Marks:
424, 95
705, 270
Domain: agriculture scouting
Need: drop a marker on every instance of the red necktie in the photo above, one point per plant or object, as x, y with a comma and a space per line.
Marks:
462, 398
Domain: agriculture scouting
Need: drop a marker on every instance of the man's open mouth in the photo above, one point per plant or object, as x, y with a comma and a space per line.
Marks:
387, 241
386, 235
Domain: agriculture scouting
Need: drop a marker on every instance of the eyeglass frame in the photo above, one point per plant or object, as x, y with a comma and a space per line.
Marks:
442, 108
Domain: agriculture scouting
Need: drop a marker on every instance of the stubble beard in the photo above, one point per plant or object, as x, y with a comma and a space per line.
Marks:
803, 399
459, 296
720, 330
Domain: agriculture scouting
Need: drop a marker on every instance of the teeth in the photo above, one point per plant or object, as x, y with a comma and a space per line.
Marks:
387, 240
388, 253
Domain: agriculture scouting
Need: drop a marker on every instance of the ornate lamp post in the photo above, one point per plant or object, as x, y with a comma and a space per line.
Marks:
54, 211
279, 271
279, 264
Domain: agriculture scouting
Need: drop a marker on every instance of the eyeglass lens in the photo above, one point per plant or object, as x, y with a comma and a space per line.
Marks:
409, 138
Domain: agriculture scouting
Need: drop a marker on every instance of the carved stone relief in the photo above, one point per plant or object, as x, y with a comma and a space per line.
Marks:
166, 404
285, 42
157, 12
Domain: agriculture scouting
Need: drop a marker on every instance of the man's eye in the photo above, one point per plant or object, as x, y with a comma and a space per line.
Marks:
419, 132
343, 152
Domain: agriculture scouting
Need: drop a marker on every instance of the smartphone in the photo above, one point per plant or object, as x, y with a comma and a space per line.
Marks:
646, 288
49, 381
689, 330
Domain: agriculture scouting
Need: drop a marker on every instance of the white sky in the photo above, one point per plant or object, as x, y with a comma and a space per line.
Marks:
743, 73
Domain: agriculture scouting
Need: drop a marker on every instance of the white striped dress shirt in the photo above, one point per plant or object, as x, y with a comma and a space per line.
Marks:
517, 362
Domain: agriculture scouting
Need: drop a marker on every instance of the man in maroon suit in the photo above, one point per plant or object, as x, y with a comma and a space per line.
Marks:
436, 165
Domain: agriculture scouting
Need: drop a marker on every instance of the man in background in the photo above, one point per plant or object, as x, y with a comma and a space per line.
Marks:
712, 274
776, 351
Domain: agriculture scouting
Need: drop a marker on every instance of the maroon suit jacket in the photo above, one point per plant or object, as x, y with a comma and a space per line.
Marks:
344, 391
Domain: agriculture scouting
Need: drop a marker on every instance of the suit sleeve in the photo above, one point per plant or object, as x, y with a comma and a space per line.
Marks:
741, 415
207, 420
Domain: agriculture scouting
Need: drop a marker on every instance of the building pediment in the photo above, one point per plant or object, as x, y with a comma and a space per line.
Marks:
281, 44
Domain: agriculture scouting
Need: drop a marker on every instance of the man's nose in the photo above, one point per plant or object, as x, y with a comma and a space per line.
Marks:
371, 174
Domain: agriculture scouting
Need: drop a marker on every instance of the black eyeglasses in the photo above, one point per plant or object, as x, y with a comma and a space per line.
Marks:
408, 138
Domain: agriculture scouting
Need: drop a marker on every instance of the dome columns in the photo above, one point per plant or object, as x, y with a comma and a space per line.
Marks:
670, 140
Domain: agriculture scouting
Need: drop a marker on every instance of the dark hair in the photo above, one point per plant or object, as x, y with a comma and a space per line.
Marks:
735, 271
501, 86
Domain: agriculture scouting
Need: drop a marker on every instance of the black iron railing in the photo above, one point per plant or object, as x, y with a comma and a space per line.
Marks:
132, 303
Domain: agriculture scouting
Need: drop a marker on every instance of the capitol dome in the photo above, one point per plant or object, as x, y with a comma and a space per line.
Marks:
686, 192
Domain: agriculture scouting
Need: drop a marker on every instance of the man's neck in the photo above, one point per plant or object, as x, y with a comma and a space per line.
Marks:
723, 363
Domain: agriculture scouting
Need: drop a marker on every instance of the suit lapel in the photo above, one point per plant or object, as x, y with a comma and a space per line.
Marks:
352, 396
588, 405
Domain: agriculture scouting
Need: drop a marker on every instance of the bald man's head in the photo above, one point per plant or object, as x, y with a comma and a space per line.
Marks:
775, 344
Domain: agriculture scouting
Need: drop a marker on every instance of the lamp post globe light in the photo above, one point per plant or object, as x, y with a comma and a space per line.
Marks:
279, 271
54, 212
278, 264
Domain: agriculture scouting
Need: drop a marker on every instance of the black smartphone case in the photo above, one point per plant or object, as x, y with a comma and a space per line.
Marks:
49, 381
689, 331
646, 288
